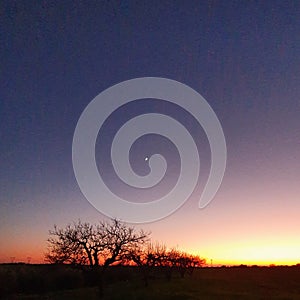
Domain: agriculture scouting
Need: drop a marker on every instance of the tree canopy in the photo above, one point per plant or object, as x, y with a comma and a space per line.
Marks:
104, 243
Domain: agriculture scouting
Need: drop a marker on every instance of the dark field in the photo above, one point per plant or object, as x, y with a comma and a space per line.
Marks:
64, 282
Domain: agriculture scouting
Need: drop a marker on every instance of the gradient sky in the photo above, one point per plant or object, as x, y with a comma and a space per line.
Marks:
242, 57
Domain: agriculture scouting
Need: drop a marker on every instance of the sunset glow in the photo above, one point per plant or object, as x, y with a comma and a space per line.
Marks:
242, 57
256, 255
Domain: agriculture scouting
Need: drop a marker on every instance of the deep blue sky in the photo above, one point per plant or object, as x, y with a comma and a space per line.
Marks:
242, 56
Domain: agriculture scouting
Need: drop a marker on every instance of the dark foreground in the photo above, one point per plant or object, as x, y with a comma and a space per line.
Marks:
64, 282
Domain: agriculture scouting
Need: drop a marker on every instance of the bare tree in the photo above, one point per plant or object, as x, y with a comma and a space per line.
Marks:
102, 244
183, 262
84, 243
119, 240
78, 243
150, 256
146, 257
112, 243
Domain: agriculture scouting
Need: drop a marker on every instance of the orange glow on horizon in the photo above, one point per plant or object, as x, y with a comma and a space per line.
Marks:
258, 255
262, 255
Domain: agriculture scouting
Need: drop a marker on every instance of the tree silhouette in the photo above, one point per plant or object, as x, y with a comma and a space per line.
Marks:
102, 244
94, 244
78, 243
146, 257
184, 262
119, 239
149, 256
111, 243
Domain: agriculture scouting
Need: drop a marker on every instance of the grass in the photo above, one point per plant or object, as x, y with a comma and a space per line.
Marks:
233, 283
207, 283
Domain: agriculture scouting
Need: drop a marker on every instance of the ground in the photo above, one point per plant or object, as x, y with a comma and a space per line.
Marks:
206, 283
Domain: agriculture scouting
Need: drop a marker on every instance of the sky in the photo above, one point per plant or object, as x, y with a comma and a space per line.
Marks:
242, 57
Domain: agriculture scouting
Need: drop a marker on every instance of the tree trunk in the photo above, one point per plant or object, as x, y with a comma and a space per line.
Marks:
96, 260
88, 252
